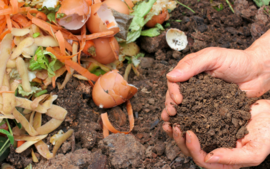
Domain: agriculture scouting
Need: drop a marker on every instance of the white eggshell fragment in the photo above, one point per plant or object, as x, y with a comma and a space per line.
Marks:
176, 39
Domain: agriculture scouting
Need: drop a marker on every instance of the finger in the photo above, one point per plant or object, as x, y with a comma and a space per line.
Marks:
180, 140
165, 116
169, 105
195, 63
174, 91
198, 155
168, 129
237, 156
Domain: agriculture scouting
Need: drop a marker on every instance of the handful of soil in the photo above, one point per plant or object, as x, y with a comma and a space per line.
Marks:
216, 111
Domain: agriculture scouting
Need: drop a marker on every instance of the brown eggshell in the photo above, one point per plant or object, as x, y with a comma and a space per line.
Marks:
100, 97
111, 90
129, 3
117, 5
76, 14
70, 7
104, 53
163, 16
95, 24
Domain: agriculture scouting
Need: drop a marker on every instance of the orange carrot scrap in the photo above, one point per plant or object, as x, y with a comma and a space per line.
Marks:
2, 27
30, 12
19, 143
109, 126
2, 5
84, 72
96, 35
53, 81
42, 16
22, 20
88, 45
6, 92
15, 24
61, 41
9, 23
15, 6
58, 55
83, 40
4, 34
113, 47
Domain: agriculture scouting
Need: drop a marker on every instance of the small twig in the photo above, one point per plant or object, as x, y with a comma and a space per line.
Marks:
228, 2
185, 6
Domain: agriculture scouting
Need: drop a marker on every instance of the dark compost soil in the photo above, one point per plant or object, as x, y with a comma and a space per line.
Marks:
148, 146
216, 111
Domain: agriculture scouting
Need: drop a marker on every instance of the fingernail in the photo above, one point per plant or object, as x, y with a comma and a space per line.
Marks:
188, 137
213, 159
173, 73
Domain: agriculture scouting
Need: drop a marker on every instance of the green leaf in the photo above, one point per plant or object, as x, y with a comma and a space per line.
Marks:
135, 59
218, 7
34, 89
10, 137
60, 15
139, 20
42, 62
98, 72
152, 32
4, 148
29, 166
18, 124
51, 17
41, 93
261, 3
36, 34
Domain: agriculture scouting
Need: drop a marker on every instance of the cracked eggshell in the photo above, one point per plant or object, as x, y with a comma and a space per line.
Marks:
118, 5
76, 14
161, 18
101, 19
104, 52
111, 90
176, 39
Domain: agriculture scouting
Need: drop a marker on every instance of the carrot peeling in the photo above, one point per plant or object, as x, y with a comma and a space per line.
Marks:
91, 77
96, 35
53, 81
109, 126
15, 6
42, 16
9, 23
19, 143
61, 41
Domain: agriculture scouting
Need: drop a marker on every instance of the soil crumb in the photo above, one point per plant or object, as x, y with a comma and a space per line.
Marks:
216, 111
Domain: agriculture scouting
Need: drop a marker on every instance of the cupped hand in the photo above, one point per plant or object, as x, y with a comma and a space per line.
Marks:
250, 150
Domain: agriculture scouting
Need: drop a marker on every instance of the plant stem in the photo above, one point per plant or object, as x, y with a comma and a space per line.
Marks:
9, 128
185, 6
4, 146
228, 2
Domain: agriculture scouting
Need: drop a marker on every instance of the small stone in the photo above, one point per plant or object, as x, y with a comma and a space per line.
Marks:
146, 62
148, 152
176, 54
151, 101
66, 147
147, 110
172, 150
153, 44
159, 148
123, 150
166, 166
154, 155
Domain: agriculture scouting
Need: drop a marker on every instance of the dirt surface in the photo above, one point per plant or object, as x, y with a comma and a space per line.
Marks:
216, 111
204, 28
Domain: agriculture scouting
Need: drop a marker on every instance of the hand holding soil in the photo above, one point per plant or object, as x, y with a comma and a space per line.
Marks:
248, 69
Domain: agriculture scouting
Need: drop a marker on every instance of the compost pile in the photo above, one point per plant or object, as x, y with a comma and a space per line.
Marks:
215, 110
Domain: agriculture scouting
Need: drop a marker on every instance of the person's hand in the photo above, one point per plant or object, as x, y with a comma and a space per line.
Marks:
249, 68
249, 151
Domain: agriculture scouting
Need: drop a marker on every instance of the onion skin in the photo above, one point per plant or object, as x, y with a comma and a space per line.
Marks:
111, 90
117, 5
163, 16
104, 53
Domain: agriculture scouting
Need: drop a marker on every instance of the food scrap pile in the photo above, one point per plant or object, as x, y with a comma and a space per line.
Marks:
40, 40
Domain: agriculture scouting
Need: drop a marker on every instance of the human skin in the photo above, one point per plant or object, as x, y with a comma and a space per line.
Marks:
250, 69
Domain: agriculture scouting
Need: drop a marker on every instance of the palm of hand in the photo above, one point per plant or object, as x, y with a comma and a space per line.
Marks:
250, 151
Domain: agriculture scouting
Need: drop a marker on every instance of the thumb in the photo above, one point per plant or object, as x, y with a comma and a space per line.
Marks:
245, 156
195, 63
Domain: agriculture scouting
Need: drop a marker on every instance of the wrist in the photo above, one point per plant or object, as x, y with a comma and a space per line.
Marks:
259, 53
